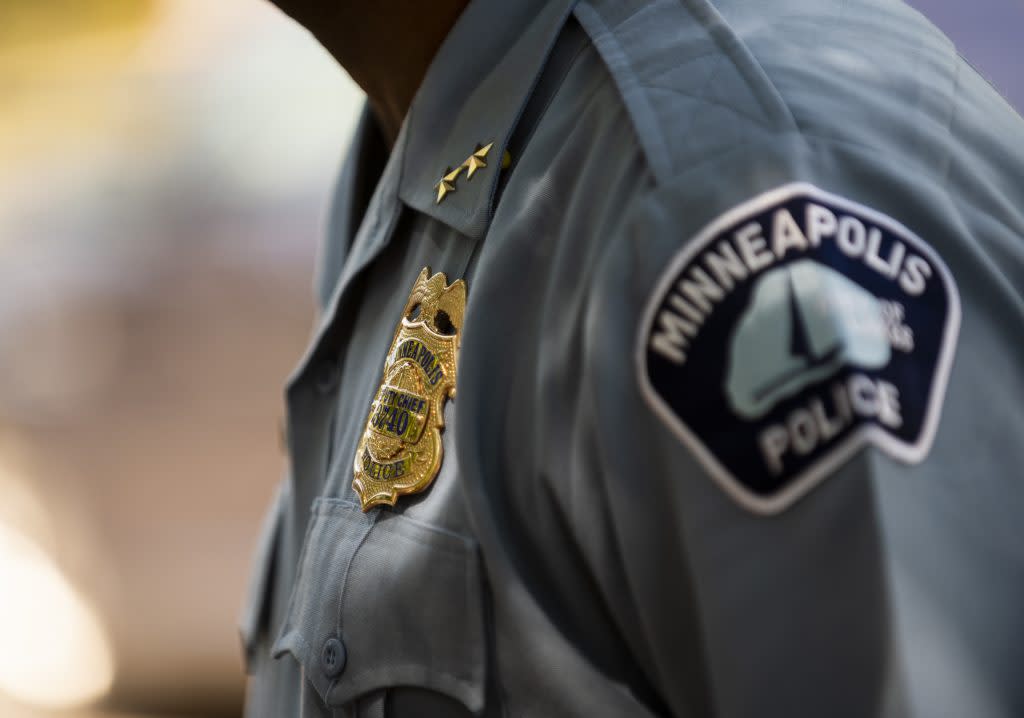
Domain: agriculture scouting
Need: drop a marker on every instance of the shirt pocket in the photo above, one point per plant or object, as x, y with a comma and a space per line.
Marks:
383, 601
253, 618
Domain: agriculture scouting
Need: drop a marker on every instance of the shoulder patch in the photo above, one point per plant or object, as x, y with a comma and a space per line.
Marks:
792, 331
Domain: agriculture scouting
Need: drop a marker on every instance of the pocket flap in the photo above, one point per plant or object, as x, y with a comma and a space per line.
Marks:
404, 600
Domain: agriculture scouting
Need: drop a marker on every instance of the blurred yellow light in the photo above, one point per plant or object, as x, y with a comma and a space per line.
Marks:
53, 650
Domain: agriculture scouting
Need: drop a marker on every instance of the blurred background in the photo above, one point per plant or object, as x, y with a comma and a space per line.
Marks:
164, 168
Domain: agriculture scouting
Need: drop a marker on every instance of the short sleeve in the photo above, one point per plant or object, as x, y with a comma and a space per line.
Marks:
799, 364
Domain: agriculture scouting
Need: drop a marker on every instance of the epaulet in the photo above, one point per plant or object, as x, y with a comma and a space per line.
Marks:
700, 78
690, 85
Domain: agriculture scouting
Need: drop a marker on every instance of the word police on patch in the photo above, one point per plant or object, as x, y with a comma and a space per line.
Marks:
794, 330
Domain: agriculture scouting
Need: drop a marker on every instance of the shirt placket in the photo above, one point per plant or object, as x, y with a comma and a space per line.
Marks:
313, 390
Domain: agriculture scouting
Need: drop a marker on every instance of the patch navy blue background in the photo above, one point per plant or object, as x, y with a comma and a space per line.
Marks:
794, 330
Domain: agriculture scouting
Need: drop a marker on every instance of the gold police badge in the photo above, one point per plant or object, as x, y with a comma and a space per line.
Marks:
400, 451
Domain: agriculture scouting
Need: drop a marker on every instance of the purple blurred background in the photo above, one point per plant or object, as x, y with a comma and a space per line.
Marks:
989, 33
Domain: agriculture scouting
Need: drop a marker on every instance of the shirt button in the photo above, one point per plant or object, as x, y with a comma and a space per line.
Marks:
327, 376
333, 658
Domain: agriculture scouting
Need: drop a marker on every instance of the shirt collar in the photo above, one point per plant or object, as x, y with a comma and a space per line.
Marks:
472, 96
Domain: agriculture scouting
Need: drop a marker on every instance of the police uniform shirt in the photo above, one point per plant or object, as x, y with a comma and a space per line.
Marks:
738, 427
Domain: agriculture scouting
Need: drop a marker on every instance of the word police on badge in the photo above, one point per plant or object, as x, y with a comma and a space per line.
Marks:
793, 331
401, 451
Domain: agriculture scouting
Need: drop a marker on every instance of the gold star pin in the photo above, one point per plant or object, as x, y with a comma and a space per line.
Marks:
477, 160
473, 164
447, 184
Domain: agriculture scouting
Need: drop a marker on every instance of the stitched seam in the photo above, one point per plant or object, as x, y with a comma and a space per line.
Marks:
449, 551
401, 519
745, 64
344, 585
417, 667
709, 101
609, 48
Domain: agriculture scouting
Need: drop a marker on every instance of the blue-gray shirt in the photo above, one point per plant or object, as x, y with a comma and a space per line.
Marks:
738, 428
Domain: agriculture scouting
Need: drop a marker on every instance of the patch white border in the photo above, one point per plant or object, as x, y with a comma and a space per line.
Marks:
803, 482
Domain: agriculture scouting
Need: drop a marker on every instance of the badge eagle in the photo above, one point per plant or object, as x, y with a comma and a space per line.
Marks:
400, 452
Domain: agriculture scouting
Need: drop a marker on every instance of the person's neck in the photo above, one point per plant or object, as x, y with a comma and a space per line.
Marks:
387, 46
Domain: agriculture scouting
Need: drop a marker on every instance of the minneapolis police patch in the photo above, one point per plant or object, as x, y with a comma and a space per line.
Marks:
793, 331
